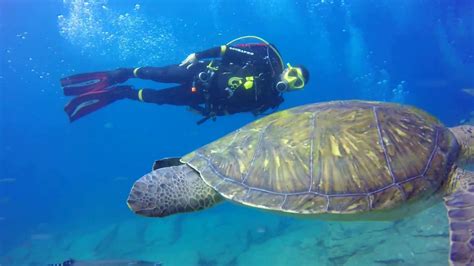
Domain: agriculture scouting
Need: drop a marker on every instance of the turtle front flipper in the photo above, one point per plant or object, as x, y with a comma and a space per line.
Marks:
460, 207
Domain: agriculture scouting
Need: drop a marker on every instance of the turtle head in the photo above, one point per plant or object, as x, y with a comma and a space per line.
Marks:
170, 190
465, 137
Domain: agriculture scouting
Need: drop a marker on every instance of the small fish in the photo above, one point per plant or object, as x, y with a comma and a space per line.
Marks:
41, 237
391, 262
469, 91
7, 180
72, 262
108, 125
121, 178
4, 200
261, 229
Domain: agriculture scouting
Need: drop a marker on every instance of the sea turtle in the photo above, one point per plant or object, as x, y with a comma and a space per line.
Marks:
348, 160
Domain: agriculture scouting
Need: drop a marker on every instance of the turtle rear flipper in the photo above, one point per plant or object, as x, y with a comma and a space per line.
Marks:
460, 207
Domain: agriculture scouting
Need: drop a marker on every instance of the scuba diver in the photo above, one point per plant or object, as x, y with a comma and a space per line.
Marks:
219, 81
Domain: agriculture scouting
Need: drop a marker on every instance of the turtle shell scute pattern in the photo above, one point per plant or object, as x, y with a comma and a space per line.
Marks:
334, 157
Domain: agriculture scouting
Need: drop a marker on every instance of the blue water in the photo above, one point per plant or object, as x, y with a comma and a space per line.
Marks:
58, 177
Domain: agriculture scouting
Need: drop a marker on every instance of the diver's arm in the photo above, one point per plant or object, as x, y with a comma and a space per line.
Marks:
253, 50
167, 74
214, 52
250, 49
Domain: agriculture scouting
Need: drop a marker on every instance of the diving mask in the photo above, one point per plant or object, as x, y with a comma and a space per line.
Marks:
293, 76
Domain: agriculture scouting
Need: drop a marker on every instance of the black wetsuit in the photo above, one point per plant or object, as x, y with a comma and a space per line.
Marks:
256, 60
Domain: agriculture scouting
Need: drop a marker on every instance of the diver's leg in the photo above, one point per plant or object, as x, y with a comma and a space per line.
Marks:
179, 95
171, 73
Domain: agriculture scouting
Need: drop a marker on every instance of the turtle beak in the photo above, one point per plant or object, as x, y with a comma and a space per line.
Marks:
135, 199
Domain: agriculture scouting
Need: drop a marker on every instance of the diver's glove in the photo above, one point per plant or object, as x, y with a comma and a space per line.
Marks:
189, 61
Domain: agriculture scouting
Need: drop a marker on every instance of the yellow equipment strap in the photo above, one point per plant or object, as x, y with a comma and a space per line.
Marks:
223, 49
211, 67
135, 72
